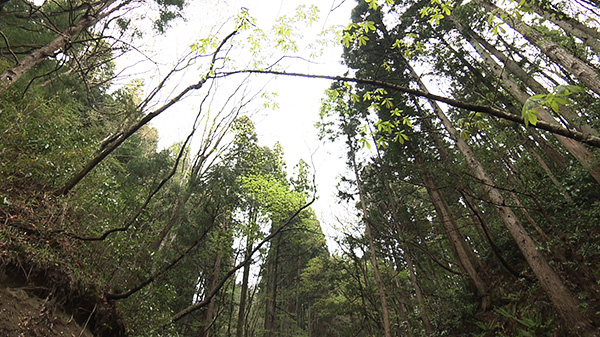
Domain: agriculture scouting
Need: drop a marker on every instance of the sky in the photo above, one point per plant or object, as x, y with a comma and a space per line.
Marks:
292, 124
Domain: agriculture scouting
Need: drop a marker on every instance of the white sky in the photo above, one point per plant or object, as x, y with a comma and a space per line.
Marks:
292, 124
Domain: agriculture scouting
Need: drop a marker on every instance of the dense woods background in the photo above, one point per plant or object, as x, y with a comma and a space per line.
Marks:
474, 208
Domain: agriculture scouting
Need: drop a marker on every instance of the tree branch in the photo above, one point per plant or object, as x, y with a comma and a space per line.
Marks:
550, 127
125, 135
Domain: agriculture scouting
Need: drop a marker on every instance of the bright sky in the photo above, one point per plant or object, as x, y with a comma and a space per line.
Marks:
299, 100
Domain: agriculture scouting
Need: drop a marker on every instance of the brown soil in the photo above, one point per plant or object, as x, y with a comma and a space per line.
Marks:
47, 302
42, 290
23, 314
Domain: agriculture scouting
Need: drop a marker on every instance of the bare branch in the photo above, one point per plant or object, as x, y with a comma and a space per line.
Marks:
550, 127
145, 120
9, 49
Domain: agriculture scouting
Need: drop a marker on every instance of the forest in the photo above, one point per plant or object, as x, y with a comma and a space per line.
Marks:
471, 186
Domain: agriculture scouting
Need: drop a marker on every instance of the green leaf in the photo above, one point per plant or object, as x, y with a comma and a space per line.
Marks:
396, 112
538, 97
531, 117
436, 18
398, 44
400, 137
380, 91
369, 25
529, 104
384, 126
332, 93
388, 103
364, 143
347, 39
362, 40
381, 143
490, 19
553, 106
568, 89
387, 66
372, 4
363, 129
446, 9
351, 26
563, 101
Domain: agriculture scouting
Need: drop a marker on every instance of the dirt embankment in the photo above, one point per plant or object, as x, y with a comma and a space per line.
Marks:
23, 314
47, 303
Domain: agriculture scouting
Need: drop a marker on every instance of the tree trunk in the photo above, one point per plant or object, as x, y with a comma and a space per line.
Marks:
478, 219
297, 300
585, 157
571, 26
378, 280
527, 144
420, 300
454, 236
562, 299
214, 279
402, 312
271, 301
11, 75
514, 68
556, 53
241, 322
175, 215
556, 158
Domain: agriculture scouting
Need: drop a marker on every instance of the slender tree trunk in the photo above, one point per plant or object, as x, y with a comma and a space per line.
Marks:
454, 236
11, 75
461, 249
403, 319
564, 302
514, 68
231, 307
175, 215
297, 300
123, 136
241, 322
532, 221
210, 309
589, 36
403, 315
478, 219
420, 300
577, 149
546, 168
271, 301
556, 53
378, 280
556, 158
595, 3
363, 297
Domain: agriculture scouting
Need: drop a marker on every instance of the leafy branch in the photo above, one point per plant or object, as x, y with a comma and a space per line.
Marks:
560, 96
